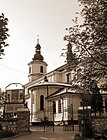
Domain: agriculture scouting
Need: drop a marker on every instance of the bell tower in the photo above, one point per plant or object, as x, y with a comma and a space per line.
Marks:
37, 67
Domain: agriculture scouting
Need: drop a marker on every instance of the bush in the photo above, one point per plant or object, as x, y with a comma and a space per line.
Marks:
78, 137
0, 127
5, 134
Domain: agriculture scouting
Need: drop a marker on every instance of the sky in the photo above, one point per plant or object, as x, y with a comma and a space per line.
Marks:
27, 20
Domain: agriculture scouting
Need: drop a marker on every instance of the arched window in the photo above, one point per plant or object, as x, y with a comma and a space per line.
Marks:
59, 106
54, 107
41, 69
68, 77
41, 102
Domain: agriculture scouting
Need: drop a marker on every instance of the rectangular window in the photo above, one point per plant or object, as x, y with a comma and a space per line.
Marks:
41, 69
59, 106
106, 105
54, 107
8, 97
21, 96
29, 69
15, 94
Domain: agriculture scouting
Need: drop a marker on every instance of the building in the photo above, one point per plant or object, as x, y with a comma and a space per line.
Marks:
49, 95
14, 99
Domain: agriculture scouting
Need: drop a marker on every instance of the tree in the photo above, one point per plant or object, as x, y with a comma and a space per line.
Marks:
3, 33
3, 36
89, 43
90, 38
96, 98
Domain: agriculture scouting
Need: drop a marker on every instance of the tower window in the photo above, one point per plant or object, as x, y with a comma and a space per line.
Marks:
41, 69
29, 69
41, 102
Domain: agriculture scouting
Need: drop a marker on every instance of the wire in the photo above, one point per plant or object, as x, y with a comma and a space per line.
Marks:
13, 69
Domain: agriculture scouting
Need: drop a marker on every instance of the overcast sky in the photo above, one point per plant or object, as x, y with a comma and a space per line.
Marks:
27, 20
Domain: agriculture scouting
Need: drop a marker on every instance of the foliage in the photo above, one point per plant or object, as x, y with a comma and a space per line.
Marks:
2, 101
3, 33
96, 99
89, 40
6, 134
89, 44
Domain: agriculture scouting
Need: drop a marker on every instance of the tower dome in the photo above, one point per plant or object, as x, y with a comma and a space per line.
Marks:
38, 55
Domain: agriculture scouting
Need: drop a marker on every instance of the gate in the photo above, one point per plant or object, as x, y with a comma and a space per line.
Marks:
68, 128
44, 123
71, 126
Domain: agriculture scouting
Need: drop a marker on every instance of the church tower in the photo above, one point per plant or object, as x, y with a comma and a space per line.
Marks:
37, 67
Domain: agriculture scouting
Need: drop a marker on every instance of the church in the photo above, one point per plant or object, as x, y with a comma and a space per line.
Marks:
49, 96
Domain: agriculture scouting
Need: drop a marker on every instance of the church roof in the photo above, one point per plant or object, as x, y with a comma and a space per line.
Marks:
61, 92
49, 84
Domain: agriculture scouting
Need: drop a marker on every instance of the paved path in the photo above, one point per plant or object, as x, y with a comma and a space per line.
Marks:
34, 135
47, 133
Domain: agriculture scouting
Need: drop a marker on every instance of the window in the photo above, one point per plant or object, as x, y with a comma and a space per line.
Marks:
8, 97
15, 95
41, 102
81, 104
79, 71
21, 96
106, 105
41, 69
54, 107
68, 77
59, 106
29, 69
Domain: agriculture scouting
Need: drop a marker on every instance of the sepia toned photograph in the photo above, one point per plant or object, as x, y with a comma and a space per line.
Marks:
53, 69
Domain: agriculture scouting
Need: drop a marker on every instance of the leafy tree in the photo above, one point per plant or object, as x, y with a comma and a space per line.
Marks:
96, 98
3, 36
90, 38
3, 33
89, 44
